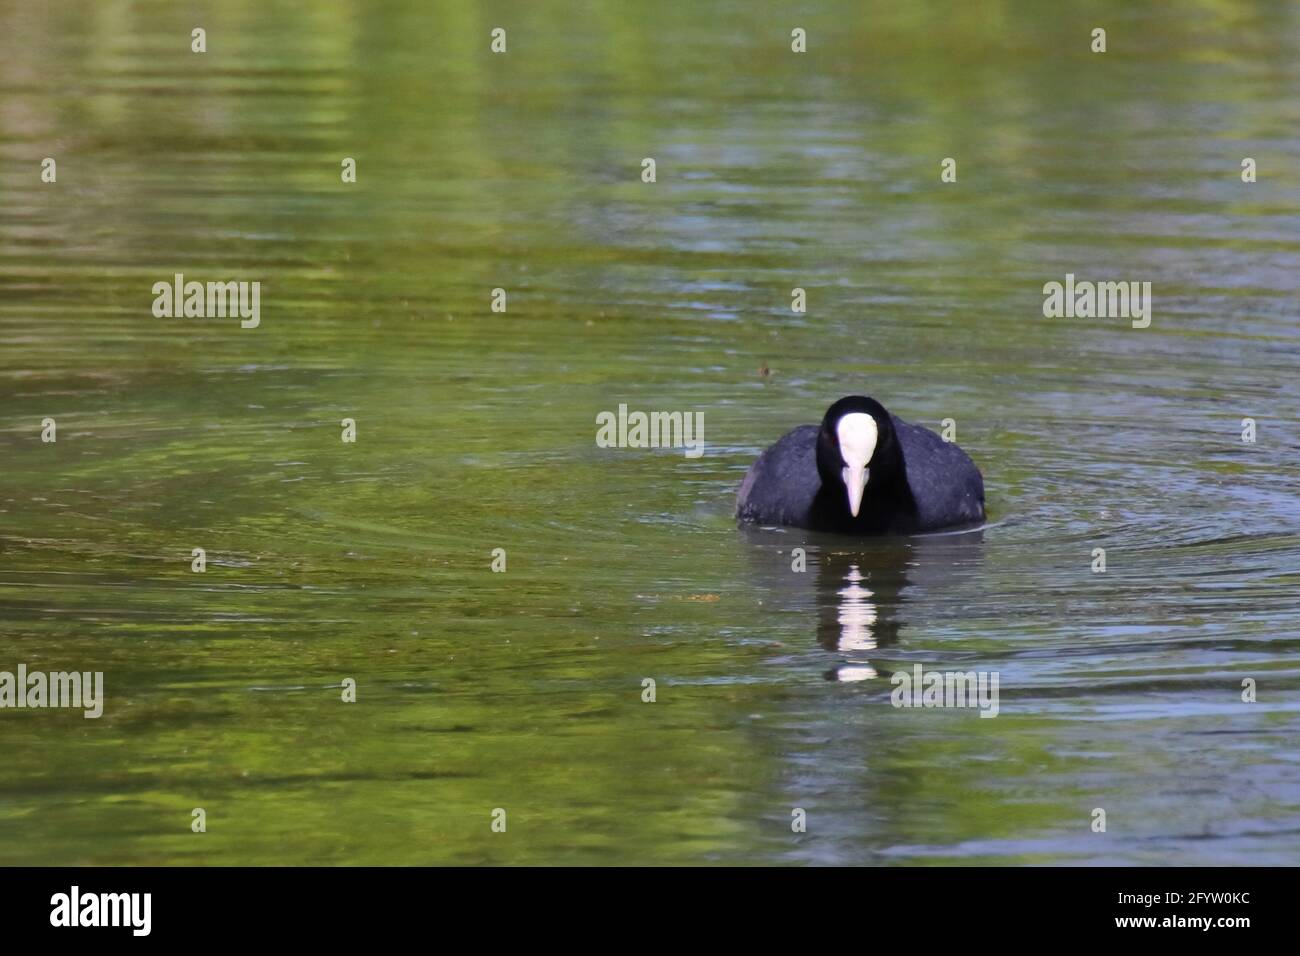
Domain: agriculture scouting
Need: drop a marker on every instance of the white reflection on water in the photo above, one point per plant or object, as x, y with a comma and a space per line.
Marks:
857, 619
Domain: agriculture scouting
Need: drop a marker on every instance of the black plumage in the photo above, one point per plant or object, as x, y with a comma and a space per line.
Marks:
916, 480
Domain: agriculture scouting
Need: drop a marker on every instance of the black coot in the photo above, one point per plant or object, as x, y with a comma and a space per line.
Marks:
863, 471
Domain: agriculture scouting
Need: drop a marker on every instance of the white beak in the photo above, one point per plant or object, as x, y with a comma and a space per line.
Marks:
857, 434
855, 480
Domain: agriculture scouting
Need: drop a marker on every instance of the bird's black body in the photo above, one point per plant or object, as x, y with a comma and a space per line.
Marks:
917, 481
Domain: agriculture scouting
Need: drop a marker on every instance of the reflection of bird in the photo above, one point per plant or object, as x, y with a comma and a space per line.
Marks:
862, 471
857, 620
852, 593
857, 592
858, 596
857, 615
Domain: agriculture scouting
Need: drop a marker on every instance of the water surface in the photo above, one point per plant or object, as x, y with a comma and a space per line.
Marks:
475, 430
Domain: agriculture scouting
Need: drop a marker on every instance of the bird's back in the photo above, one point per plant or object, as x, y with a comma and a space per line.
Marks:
946, 487
780, 486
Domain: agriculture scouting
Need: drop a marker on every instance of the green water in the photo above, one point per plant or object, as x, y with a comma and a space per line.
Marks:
522, 690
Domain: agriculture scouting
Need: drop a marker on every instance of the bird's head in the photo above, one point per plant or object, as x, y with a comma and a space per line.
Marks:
856, 448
